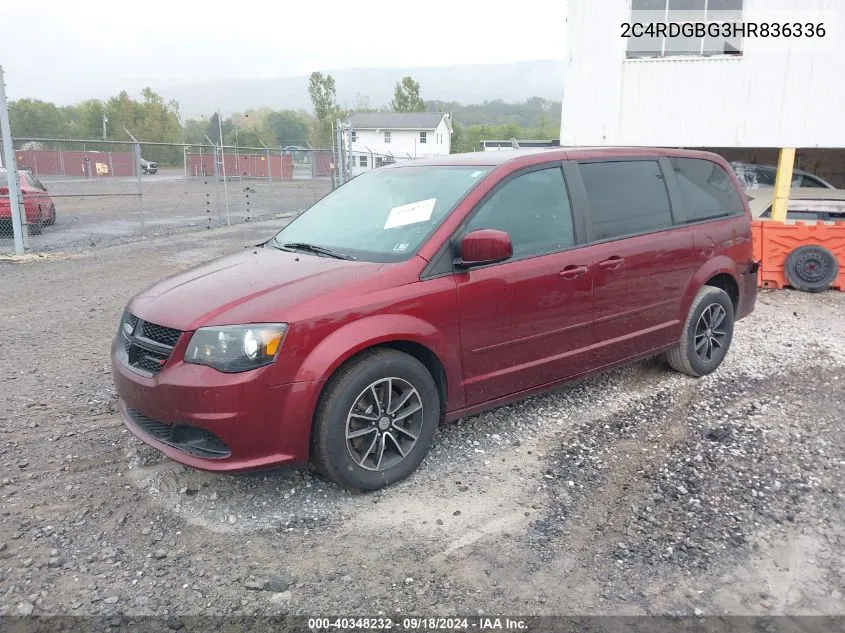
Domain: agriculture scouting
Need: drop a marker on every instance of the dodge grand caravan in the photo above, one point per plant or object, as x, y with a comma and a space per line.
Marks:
432, 290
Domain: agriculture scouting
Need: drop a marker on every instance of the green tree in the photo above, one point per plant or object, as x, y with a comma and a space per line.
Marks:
286, 127
457, 137
194, 130
32, 118
214, 125
323, 95
406, 96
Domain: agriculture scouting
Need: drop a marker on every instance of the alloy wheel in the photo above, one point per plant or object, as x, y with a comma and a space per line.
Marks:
710, 332
384, 423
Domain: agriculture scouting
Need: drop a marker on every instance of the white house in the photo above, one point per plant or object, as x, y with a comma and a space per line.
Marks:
731, 88
382, 137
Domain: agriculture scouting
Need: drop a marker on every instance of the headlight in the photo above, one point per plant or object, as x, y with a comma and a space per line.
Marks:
235, 348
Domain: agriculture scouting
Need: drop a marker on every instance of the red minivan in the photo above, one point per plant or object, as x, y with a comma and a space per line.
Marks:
432, 290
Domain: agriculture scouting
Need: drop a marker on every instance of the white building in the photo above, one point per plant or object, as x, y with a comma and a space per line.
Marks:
383, 137
736, 91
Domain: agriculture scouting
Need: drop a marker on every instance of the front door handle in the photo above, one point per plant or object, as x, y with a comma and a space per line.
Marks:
572, 271
612, 264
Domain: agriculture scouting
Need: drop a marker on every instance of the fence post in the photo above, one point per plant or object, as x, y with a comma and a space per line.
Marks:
223, 164
269, 171
11, 168
137, 155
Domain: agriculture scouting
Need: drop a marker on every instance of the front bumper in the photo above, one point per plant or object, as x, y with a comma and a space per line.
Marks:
209, 420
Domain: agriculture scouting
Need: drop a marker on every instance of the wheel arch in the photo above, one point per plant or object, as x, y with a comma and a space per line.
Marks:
728, 283
720, 272
403, 333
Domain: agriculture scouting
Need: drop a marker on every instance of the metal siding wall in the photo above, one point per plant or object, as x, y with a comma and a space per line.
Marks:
761, 99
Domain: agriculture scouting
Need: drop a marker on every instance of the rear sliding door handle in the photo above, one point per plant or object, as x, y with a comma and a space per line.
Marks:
572, 271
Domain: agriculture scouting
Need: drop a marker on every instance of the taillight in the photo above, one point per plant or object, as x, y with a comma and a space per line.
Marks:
4, 191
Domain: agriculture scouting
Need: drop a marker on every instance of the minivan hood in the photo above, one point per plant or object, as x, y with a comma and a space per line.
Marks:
261, 284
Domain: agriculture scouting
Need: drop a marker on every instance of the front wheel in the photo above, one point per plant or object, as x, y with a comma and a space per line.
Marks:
707, 334
375, 420
51, 216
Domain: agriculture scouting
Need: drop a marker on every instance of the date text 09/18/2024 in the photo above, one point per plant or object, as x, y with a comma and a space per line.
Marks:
418, 624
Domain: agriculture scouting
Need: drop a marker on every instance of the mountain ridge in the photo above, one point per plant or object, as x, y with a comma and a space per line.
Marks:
465, 83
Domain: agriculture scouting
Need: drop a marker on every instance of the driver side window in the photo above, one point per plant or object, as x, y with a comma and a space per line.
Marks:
534, 210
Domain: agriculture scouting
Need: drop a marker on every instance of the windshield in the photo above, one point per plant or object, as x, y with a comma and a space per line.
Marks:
383, 215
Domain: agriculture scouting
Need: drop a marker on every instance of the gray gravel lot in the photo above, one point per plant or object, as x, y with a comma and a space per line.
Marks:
638, 491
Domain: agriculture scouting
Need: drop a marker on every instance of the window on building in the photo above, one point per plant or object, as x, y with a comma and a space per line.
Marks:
353, 136
387, 136
362, 161
423, 137
534, 210
677, 18
626, 198
707, 191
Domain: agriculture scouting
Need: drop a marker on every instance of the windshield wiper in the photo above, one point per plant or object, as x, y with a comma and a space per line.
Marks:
319, 250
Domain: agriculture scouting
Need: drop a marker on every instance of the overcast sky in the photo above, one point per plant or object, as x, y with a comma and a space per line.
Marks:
65, 50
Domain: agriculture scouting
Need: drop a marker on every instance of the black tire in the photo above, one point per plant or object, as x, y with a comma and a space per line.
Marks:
330, 450
811, 268
51, 216
685, 358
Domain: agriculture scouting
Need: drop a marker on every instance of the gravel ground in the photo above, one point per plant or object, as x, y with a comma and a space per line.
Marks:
638, 491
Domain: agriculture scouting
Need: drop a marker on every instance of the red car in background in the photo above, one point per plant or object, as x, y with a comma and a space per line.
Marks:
40, 210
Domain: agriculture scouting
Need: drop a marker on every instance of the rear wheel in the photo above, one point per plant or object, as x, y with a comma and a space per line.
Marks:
35, 228
375, 420
707, 334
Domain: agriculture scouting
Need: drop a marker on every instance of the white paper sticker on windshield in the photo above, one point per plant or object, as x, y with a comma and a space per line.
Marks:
410, 213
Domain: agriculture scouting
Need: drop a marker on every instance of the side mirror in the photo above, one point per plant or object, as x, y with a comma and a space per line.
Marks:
484, 246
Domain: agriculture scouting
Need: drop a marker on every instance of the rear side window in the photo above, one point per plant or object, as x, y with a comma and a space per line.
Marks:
626, 197
809, 181
706, 189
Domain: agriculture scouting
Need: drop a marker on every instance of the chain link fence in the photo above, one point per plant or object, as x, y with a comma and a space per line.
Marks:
81, 194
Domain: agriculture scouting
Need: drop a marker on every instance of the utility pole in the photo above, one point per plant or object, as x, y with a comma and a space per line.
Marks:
11, 169
105, 120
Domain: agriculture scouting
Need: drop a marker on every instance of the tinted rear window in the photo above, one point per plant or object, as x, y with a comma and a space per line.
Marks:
706, 189
626, 197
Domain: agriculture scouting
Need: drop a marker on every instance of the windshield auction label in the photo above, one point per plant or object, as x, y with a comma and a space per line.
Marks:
410, 213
